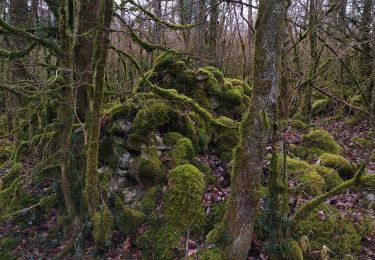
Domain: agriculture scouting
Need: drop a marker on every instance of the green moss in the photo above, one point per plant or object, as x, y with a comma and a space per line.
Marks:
368, 182
361, 141
185, 199
5, 153
311, 182
7, 245
150, 169
319, 142
326, 226
200, 96
182, 152
8, 178
237, 82
210, 254
216, 215
330, 176
105, 177
7, 195
234, 96
159, 242
103, 225
298, 125
295, 252
171, 138
320, 106
107, 153
149, 118
149, 201
211, 84
338, 163
216, 73
129, 220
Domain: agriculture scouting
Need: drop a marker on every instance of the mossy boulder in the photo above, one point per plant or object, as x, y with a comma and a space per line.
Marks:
307, 177
160, 242
103, 225
150, 168
320, 141
182, 152
185, 198
128, 220
320, 106
171, 138
330, 176
326, 226
148, 119
149, 200
338, 163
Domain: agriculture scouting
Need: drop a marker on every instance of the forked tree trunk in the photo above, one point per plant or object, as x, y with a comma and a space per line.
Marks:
255, 130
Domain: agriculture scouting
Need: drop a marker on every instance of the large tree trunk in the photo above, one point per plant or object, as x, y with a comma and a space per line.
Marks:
255, 130
101, 46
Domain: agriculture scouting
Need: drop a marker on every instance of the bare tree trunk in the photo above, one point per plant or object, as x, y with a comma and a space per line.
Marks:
255, 130
199, 32
250, 35
213, 28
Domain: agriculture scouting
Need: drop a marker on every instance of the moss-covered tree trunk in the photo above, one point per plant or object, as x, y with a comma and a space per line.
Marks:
255, 130
83, 50
314, 60
101, 47
65, 115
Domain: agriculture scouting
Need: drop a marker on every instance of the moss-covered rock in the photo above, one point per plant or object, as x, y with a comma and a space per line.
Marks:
171, 138
308, 179
338, 163
5, 153
184, 198
160, 242
320, 106
149, 201
148, 119
326, 226
150, 168
128, 220
182, 152
330, 176
320, 141
103, 226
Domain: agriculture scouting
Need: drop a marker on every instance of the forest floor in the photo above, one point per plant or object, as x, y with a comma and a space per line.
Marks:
39, 240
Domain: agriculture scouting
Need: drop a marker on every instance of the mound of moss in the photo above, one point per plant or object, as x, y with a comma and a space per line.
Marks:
330, 176
338, 163
150, 168
182, 152
320, 106
319, 142
326, 226
368, 182
308, 178
183, 204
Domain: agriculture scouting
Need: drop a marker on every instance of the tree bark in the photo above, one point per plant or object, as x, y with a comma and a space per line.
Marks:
255, 130
101, 46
